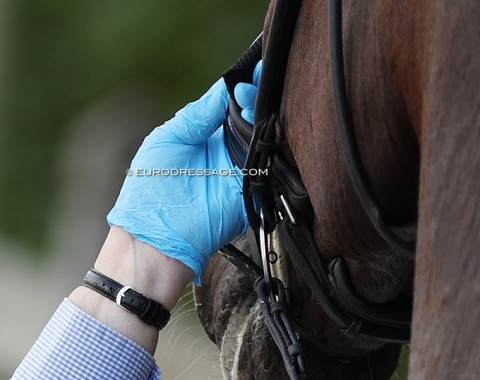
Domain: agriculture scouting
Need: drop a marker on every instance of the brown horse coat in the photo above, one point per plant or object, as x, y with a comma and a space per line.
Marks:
413, 74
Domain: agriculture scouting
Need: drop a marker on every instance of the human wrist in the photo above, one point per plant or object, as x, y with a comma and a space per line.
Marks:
136, 264
146, 309
142, 267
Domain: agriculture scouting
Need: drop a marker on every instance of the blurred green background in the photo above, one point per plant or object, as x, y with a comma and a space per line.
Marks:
59, 56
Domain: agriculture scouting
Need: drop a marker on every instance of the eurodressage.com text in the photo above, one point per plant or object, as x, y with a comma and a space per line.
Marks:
174, 172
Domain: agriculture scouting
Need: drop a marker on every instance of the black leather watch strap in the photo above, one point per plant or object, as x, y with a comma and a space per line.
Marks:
149, 311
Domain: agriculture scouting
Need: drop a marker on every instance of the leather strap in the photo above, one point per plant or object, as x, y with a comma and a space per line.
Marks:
348, 139
329, 280
149, 311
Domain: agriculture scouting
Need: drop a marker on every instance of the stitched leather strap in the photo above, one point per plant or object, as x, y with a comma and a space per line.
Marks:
149, 311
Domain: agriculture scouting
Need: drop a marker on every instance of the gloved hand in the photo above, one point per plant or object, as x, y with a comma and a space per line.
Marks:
169, 198
246, 93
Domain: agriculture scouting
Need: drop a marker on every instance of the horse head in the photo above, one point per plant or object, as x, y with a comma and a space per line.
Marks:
388, 69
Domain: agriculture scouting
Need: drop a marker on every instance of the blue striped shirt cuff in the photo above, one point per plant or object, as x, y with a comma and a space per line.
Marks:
76, 346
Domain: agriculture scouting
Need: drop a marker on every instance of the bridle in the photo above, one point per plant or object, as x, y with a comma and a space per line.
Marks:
279, 208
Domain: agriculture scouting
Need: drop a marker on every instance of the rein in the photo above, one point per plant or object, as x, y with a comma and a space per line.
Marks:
279, 208
347, 136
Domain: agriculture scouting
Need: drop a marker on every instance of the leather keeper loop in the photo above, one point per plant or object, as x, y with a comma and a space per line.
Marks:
258, 187
265, 147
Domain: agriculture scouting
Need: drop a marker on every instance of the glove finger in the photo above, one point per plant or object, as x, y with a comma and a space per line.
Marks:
248, 114
245, 94
196, 122
257, 73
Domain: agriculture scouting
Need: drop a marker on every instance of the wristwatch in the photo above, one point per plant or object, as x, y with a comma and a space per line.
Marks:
149, 311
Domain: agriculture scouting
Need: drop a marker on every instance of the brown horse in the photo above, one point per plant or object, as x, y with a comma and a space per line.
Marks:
412, 72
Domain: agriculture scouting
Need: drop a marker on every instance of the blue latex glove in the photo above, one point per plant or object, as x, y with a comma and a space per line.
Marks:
246, 93
187, 217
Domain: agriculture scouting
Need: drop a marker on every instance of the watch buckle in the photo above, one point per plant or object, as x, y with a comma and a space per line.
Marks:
121, 295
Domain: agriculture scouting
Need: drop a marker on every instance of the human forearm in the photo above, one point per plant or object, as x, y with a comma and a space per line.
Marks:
136, 264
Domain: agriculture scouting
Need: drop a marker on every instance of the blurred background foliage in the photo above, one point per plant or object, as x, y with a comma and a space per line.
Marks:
59, 56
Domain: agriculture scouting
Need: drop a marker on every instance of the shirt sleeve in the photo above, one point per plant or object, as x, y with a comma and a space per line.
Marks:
74, 345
